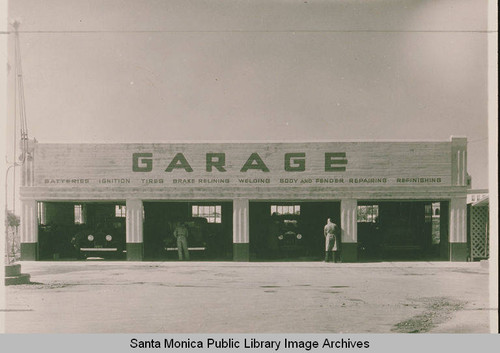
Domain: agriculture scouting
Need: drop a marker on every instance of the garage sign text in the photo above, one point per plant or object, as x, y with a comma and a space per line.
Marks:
293, 162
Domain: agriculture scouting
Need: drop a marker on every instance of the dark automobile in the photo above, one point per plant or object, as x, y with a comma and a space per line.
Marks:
55, 241
199, 237
286, 234
102, 241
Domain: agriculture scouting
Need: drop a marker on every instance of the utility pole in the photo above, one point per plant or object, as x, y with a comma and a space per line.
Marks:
10, 254
13, 273
19, 113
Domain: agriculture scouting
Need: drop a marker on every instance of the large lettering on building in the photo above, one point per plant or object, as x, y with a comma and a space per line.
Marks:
322, 164
293, 162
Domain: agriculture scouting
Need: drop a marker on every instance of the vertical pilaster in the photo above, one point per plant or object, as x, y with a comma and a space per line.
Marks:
458, 229
28, 170
459, 161
134, 231
458, 206
349, 225
29, 230
241, 230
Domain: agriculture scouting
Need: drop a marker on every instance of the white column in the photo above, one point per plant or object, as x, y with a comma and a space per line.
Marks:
241, 216
459, 161
348, 220
134, 221
458, 220
29, 221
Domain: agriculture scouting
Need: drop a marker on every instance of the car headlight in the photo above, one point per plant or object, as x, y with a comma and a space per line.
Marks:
109, 237
280, 237
299, 236
90, 237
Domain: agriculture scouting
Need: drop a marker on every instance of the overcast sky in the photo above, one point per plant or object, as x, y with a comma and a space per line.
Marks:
159, 71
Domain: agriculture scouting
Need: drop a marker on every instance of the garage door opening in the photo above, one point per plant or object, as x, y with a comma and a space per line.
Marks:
289, 231
402, 231
81, 230
209, 225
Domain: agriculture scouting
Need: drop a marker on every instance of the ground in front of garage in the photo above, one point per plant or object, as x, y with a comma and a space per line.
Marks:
229, 297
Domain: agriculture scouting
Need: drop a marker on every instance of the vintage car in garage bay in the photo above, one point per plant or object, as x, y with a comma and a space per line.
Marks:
204, 238
286, 235
103, 241
200, 237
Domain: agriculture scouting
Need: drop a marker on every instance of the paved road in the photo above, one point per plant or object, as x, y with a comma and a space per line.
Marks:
205, 297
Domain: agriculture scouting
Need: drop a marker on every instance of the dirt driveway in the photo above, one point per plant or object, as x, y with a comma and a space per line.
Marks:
204, 297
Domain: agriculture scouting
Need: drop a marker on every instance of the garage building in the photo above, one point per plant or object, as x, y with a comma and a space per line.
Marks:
265, 201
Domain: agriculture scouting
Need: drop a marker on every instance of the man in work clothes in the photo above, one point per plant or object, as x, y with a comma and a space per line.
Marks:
332, 233
181, 234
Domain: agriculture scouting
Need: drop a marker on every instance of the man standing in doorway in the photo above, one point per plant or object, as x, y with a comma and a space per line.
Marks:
332, 234
181, 234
